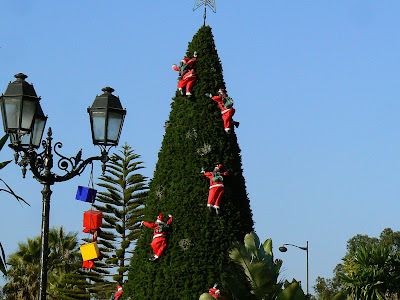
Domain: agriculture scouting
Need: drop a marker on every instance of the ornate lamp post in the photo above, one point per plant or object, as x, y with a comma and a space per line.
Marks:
284, 249
24, 120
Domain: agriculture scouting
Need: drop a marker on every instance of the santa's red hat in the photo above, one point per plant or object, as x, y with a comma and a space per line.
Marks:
221, 92
160, 218
119, 288
186, 59
218, 167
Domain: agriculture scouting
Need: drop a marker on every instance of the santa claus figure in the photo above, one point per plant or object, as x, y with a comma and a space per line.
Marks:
225, 103
217, 189
119, 292
159, 237
187, 75
215, 292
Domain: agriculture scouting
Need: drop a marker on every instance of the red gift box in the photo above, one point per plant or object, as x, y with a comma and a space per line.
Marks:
93, 219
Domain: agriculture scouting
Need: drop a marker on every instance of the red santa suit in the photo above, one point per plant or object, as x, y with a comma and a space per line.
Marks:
187, 74
216, 293
119, 292
217, 189
227, 113
159, 237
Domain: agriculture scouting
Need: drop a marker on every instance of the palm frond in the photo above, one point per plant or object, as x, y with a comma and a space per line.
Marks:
11, 192
2, 261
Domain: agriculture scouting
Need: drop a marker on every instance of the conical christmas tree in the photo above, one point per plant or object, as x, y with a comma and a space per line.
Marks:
198, 241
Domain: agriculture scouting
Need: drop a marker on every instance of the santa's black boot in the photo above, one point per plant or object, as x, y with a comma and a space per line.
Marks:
153, 257
236, 124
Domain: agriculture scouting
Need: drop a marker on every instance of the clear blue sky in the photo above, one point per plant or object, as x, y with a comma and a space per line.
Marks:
316, 89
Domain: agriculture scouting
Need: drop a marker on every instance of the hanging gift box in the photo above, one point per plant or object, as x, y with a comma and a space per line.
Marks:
86, 194
90, 251
92, 219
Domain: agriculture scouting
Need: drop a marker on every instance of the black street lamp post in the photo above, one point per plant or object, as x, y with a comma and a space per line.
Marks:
284, 249
24, 121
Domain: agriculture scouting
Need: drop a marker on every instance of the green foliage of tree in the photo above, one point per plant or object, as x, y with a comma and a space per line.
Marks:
62, 263
254, 275
24, 271
327, 288
364, 266
72, 285
374, 273
198, 242
122, 204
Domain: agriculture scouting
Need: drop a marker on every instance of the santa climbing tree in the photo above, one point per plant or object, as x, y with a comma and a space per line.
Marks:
198, 240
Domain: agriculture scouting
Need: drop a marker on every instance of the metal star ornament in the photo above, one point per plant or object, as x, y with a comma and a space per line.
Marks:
209, 3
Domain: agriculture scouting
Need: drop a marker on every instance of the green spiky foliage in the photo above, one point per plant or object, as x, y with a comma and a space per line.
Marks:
375, 273
63, 267
122, 204
198, 241
254, 273
292, 291
67, 286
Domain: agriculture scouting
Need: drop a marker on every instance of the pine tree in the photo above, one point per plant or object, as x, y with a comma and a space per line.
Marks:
122, 204
70, 286
199, 242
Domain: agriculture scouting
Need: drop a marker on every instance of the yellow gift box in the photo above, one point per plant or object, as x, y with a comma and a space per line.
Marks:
90, 251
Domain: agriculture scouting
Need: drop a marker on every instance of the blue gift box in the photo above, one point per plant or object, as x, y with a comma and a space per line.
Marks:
86, 194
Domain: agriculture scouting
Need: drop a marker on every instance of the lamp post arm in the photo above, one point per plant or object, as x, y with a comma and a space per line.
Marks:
302, 248
79, 169
42, 163
37, 164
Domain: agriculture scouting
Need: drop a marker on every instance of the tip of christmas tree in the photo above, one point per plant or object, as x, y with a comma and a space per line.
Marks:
204, 28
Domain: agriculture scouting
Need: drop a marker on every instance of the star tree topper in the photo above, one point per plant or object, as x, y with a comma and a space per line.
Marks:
209, 3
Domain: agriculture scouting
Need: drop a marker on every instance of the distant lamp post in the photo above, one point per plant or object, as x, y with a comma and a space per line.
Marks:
24, 121
284, 249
